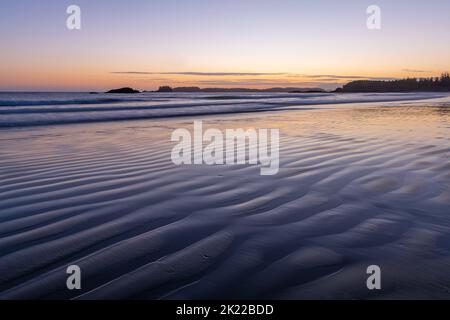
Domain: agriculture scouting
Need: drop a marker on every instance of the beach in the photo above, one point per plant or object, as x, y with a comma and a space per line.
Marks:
361, 181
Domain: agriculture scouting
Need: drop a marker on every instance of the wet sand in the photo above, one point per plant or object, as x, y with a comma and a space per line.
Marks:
358, 185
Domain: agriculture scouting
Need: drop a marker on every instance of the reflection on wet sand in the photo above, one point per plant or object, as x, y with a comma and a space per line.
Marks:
357, 186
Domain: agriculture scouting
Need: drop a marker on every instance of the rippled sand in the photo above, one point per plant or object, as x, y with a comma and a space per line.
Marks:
358, 185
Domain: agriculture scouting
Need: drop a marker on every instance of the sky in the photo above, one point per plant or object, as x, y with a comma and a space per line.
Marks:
218, 43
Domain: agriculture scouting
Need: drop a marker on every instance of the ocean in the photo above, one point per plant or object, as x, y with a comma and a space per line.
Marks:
19, 109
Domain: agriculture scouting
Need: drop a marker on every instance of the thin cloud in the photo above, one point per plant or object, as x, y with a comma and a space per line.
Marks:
320, 77
203, 74
334, 77
415, 71
266, 83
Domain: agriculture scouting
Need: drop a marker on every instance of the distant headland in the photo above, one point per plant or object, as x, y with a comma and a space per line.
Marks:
434, 84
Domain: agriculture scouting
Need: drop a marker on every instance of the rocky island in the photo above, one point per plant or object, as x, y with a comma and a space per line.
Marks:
123, 90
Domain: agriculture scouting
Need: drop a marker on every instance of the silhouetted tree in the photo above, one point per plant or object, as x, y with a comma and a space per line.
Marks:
165, 89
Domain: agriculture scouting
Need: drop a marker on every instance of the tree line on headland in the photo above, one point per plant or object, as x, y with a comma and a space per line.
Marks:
404, 85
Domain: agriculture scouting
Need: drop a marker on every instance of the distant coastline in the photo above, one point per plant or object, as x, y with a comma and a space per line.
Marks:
434, 84
218, 90
167, 89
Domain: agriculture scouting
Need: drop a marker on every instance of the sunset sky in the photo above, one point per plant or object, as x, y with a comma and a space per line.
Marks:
211, 43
